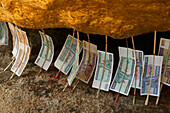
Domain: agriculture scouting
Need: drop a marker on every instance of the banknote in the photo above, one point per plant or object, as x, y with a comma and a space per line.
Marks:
120, 73
46, 53
88, 62
139, 69
3, 33
71, 54
107, 71
155, 84
22, 36
21, 59
15, 39
163, 51
73, 72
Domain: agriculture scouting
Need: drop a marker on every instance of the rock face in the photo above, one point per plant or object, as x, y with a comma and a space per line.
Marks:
115, 18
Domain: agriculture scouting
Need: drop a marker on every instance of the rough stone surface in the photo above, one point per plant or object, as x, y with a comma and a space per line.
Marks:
38, 94
115, 18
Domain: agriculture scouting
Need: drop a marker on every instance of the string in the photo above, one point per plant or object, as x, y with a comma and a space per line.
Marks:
57, 75
77, 58
103, 68
147, 99
134, 96
117, 97
66, 58
161, 85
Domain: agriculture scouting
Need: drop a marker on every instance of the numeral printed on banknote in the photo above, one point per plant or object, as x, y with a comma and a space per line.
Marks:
107, 71
163, 51
138, 69
123, 79
46, 53
70, 41
155, 84
88, 62
3, 33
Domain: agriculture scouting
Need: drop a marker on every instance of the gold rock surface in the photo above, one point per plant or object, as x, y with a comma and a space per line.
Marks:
115, 18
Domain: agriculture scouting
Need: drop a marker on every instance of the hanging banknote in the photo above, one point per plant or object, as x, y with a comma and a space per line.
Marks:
123, 79
155, 84
23, 53
139, 69
46, 53
71, 57
21, 59
3, 33
107, 71
88, 62
163, 50
15, 39
73, 72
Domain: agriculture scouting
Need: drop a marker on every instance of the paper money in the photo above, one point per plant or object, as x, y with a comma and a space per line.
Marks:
71, 57
22, 36
155, 85
21, 59
73, 72
139, 69
46, 53
88, 62
107, 71
3, 33
163, 50
129, 75
15, 39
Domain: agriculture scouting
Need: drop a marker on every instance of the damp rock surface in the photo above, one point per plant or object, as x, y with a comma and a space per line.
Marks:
115, 18
31, 93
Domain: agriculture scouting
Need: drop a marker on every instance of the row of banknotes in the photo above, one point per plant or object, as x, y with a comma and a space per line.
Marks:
138, 65
131, 63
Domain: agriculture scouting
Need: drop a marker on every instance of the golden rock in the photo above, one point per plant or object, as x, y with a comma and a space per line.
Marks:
115, 18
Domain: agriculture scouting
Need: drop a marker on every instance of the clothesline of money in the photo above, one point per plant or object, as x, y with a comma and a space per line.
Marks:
139, 66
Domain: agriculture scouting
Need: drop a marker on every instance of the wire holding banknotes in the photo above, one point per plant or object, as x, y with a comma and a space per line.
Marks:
165, 67
153, 63
117, 97
103, 68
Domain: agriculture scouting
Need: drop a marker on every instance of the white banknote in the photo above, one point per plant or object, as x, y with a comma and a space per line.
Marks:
122, 76
70, 41
46, 53
107, 71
